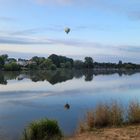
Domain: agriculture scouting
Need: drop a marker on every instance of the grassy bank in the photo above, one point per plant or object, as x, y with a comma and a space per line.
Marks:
131, 132
111, 115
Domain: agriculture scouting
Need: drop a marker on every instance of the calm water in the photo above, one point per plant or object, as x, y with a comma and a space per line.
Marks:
30, 96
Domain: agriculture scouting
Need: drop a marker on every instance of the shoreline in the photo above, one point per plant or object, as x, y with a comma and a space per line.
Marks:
130, 132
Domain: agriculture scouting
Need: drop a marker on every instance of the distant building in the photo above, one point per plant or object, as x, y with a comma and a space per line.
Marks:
22, 62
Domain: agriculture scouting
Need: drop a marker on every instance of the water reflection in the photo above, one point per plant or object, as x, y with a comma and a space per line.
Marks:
54, 77
64, 95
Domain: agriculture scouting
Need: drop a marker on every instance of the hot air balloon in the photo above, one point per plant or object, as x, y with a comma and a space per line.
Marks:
67, 30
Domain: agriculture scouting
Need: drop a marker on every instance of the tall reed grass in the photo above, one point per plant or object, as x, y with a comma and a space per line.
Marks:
111, 115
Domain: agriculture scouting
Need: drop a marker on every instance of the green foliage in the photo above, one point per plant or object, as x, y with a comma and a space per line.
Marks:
62, 65
3, 58
55, 59
2, 80
53, 67
38, 60
58, 60
66, 65
129, 66
12, 67
42, 130
1, 62
32, 66
88, 62
78, 64
120, 64
46, 64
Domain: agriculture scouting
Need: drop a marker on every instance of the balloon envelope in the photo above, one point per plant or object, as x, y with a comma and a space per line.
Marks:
67, 30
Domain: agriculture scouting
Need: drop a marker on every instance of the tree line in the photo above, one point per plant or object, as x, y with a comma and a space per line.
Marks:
57, 61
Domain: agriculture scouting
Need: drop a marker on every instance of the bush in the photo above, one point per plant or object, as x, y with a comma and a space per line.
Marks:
53, 67
12, 67
116, 114
103, 116
42, 130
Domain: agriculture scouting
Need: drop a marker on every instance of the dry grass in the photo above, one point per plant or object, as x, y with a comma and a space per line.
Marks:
134, 113
113, 115
102, 115
116, 114
119, 133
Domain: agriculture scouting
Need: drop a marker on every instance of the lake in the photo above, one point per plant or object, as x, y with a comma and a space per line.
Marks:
28, 96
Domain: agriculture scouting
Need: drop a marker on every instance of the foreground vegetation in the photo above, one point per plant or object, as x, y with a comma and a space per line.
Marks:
54, 62
111, 115
42, 130
106, 121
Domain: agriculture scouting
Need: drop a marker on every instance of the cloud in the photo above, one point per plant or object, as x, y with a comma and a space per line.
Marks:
53, 28
7, 19
68, 47
62, 2
23, 40
134, 15
131, 8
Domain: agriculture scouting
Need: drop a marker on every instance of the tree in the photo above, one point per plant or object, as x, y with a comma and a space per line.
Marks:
46, 64
57, 60
120, 64
78, 64
62, 65
66, 65
88, 62
5, 57
11, 60
53, 67
38, 60
1, 62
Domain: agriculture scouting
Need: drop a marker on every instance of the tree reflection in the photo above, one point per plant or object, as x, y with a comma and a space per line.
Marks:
58, 76
89, 75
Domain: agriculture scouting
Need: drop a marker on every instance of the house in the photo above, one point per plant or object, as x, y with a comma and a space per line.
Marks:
22, 62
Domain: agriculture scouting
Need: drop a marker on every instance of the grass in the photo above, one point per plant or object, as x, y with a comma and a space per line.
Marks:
104, 115
42, 130
134, 113
111, 115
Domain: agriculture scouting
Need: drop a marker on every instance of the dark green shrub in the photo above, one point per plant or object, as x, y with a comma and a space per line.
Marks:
53, 67
12, 67
42, 130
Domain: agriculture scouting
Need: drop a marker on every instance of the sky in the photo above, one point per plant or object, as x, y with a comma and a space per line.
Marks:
107, 30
